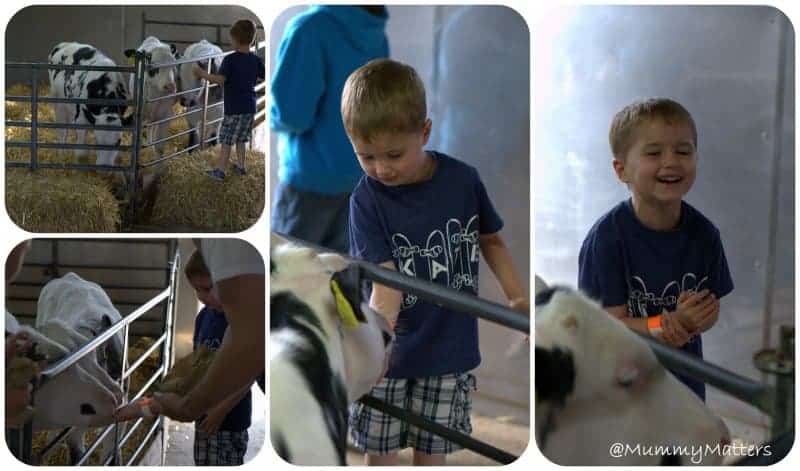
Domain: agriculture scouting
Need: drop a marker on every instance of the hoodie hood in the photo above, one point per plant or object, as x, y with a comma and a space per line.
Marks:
363, 30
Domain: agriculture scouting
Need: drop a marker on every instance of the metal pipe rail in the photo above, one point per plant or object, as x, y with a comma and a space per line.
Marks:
452, 298
47, 65
752, 392
87, 127
73, 358
74, 101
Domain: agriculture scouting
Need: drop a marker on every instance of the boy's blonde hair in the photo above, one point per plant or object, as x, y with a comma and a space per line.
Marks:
383, 96
628, 119
244, 31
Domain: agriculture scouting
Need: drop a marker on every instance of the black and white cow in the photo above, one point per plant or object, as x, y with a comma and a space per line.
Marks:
318, 363
85, 84
70, 313
188, 81
599, 386
157, 83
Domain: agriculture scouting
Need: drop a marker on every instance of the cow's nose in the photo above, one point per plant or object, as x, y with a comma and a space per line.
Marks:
170, 87
87, 409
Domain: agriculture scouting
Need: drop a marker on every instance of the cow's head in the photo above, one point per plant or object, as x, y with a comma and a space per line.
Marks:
82, 395
158, 81
322, 286
598, 383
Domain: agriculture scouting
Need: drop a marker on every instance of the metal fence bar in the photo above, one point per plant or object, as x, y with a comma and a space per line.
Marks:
47, 125
110, 332
96, 266
438, 294
47, 65
47, 145
133, 174
34, 119
755, 393
465, 441
72, 101
144, 356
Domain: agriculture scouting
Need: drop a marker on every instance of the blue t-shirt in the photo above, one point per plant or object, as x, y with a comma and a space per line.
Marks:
623, 262
319, 49
209, 328
241, 71
430, 230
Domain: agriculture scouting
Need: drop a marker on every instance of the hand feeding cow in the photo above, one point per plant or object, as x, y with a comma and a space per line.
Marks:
319, 361
71, 312
88, 84
188, 81
598, 384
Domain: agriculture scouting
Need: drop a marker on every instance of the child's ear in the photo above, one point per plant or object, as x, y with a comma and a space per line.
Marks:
426, 131
619, 169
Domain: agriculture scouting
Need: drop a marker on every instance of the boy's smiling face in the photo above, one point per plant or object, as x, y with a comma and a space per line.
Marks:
661, 163
395, 158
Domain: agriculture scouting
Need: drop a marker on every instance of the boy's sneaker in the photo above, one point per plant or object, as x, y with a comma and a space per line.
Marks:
216, 174
239, 170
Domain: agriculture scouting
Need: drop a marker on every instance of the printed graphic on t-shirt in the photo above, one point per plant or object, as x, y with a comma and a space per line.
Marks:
640, 297
448, 257
212, 344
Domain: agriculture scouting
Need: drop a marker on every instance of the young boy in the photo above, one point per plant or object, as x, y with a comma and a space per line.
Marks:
654, 261
221, 436
428, 215
238, 75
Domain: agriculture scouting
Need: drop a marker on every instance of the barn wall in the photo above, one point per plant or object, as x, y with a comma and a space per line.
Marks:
474, 62
112, 28
594, 60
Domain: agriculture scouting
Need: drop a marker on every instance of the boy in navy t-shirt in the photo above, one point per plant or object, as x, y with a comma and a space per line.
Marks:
427, 215
654, 261
238, 75
221, 435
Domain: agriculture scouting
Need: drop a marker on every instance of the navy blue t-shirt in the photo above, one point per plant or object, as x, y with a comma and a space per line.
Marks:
623, 262
241, 72
209, 328
430, 230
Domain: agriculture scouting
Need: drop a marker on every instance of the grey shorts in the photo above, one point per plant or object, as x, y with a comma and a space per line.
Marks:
315, 217
445, 400
220, 449
235, 128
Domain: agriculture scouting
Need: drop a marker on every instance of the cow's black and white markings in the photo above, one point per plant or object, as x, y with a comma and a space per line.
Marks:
599, 384
188, 81
317, 365
85, 84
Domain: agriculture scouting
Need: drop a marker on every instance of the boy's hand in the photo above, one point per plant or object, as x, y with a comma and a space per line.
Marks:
213, 420
521, 305
673, 332
696, 308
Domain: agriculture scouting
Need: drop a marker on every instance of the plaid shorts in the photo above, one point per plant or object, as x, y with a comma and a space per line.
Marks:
220, 449
235, 128
442, 399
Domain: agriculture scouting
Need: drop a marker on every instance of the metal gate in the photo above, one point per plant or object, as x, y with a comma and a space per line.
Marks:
20, 440
141, 66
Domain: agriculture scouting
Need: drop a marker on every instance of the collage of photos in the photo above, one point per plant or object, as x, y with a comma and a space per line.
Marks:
440, 192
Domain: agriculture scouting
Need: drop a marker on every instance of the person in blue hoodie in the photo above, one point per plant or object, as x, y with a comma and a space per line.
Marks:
318, 169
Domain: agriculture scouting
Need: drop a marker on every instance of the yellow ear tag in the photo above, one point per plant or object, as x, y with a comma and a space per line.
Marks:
131, 60
346, 313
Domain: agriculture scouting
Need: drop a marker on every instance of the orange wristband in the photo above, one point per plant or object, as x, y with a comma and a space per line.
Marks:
654, 325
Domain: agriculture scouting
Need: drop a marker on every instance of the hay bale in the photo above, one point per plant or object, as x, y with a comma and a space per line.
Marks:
188, 197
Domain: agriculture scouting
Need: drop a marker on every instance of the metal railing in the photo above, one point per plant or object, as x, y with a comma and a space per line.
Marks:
23, 438
140, 68
444, 296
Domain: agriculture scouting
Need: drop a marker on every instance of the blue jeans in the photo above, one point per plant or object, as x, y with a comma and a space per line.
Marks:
314, 217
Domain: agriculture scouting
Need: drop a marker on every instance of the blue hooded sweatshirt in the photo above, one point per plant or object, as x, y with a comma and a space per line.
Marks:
320, 48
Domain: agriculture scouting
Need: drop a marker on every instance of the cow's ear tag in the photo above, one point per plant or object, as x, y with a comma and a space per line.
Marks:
132, 60
343, 307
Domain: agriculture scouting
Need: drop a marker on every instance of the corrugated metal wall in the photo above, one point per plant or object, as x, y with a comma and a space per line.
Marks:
724, 64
